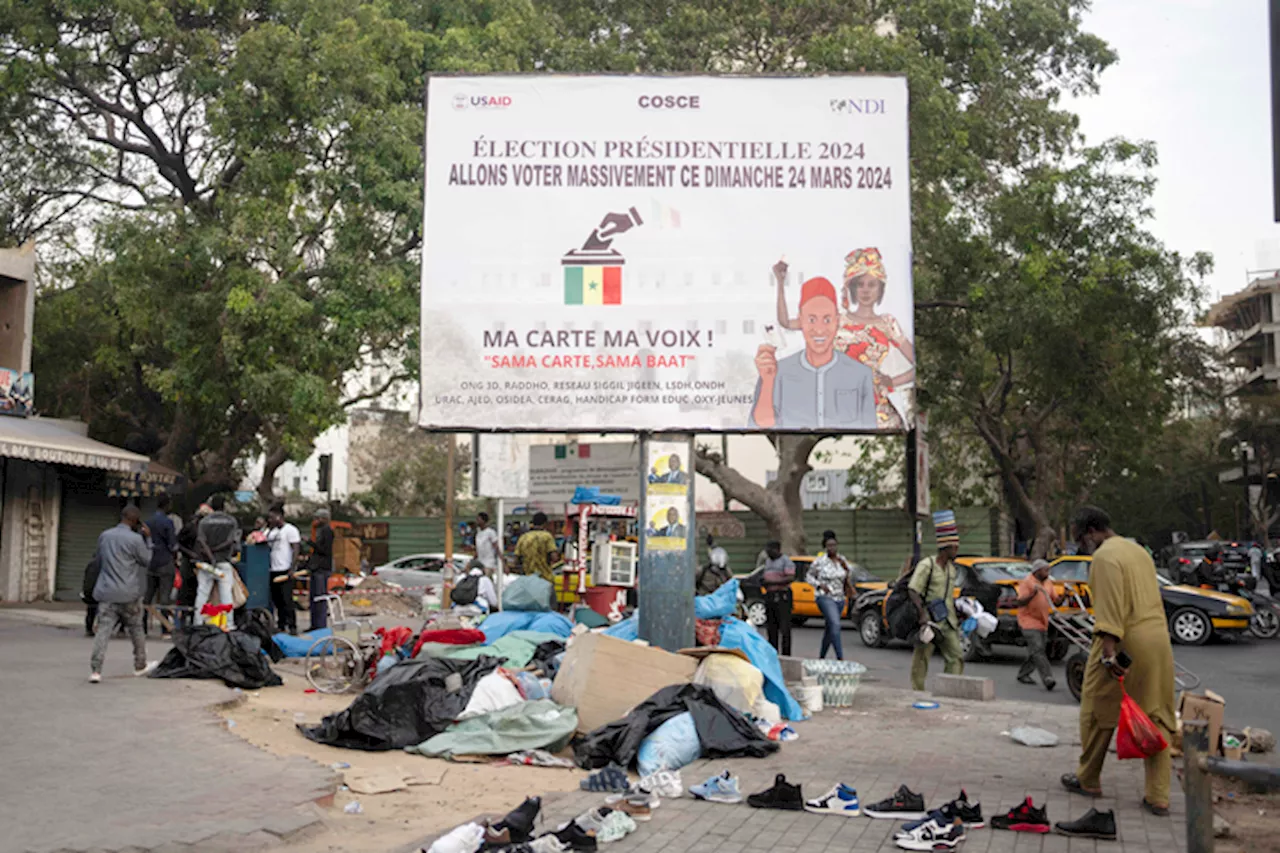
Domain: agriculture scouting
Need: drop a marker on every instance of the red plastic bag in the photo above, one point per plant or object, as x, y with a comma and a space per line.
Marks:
1136, 736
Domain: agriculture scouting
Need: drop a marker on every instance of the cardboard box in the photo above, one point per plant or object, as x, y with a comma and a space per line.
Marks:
1205, 706
604, 677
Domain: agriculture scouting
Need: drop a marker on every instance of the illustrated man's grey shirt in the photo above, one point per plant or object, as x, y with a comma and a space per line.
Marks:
838, 395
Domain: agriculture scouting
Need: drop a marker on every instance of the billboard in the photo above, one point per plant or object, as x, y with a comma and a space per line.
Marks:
667, 253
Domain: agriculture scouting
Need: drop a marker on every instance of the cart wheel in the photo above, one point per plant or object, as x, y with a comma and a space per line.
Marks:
1075, 673
333, 664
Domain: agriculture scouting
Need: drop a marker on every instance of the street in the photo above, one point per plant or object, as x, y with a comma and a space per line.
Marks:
1246, 672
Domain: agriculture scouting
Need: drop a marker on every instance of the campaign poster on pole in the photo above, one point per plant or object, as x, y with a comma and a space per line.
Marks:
667, 253
667, 516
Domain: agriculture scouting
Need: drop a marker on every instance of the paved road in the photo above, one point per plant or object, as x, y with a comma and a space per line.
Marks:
1247, 672
136, 764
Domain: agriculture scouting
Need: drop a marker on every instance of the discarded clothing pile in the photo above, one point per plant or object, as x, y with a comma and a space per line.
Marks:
721, 730
206, 651
404, 706
515, 650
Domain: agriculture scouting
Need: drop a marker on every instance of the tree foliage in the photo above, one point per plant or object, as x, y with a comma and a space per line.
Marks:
255, 168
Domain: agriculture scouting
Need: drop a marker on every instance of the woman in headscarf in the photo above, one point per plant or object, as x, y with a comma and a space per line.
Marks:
873, 339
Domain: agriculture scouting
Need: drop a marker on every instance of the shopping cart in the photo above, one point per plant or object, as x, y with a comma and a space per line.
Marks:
1074, 623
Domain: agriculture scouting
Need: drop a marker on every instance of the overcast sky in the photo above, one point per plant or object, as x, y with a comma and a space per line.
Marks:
1193, 76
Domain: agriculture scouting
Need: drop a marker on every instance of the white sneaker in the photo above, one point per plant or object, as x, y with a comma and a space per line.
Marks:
664, 783
933, 835
151, 667
95, 678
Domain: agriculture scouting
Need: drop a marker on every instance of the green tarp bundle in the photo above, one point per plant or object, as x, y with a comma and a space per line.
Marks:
538, 724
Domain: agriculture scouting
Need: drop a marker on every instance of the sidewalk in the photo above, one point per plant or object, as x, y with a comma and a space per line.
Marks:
881, 743
133, 764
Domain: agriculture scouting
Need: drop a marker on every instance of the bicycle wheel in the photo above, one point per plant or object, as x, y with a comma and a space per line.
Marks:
333, 664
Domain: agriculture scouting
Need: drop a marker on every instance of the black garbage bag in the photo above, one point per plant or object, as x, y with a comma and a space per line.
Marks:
546, 657
404, 706
722, 730
206, 651
258, 623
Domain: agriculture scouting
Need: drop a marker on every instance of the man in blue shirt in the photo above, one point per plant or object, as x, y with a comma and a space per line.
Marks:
164, 546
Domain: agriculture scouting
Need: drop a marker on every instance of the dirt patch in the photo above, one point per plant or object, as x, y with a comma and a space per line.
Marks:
455, 792
1253, 818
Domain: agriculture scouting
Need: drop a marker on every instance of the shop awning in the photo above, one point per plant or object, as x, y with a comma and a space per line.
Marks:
61, 442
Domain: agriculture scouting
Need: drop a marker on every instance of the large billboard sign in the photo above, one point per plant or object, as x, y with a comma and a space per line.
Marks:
667, 253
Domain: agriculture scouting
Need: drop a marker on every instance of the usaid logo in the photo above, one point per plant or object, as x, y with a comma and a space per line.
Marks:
858, 106
481, 102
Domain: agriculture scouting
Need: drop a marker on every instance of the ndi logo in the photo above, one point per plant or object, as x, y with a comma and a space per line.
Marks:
858, 106
481, 102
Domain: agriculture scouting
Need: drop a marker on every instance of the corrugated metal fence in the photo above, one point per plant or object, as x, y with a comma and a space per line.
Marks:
879, 540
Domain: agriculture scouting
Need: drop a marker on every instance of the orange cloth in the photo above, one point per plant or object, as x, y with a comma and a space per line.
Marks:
1034, 615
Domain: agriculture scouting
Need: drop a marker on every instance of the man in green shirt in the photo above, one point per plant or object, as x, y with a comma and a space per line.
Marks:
932, 588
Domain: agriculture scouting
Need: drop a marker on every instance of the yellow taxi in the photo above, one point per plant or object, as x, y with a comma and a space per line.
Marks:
804, 605
1194, 614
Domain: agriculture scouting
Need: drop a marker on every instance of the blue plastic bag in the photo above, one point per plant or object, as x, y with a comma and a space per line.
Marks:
736, 634
670, 746
718, 604
969, 626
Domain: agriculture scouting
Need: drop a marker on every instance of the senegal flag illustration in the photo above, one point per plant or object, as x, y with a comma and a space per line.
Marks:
592, 285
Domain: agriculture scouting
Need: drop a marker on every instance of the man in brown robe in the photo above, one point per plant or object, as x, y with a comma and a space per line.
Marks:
1129, 616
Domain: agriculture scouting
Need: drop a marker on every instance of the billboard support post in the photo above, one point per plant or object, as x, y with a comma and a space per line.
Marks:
913, 498
668, 541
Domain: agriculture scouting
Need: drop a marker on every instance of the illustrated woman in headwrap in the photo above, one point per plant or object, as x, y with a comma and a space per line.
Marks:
875, 340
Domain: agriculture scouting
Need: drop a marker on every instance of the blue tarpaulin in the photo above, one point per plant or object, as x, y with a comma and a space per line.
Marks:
297, 647
498, 625
591, 495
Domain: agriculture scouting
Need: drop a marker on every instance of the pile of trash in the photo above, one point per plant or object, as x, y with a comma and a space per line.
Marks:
373, 597
524, 685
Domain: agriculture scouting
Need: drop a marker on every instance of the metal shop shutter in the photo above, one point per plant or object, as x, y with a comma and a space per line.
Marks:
85, 514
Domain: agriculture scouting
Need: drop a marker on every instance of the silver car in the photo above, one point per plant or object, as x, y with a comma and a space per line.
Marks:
420, 572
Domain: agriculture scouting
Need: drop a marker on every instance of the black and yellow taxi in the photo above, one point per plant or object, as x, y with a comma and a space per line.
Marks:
804, 604
1194, 614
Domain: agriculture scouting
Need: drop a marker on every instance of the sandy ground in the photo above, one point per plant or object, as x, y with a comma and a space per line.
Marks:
1253, 818
458, 792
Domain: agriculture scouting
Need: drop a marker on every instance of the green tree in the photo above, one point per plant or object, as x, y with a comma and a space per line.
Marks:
255, 171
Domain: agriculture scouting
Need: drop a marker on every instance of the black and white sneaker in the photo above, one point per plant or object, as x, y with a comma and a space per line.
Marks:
934, 834
903, 805
969, 813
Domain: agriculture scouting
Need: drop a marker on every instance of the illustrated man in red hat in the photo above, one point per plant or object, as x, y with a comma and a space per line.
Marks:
818, 387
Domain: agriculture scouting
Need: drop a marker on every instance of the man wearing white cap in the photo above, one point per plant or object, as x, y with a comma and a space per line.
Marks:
932, 591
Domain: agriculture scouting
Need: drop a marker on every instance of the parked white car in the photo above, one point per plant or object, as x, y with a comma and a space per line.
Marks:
419, 571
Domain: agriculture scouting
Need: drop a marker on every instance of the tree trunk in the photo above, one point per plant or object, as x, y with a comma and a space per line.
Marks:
1023, 501
779, 503
271, 463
